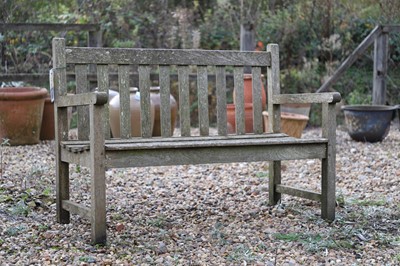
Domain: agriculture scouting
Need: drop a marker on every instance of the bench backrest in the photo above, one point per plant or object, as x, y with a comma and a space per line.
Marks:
164, 61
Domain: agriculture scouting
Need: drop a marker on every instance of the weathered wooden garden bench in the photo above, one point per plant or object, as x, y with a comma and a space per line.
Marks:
97, 151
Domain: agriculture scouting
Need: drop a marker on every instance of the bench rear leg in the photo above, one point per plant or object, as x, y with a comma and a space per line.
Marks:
328, 199
328, 171
274, 179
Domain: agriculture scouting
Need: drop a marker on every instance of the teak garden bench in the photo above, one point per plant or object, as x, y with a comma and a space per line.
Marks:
96, 150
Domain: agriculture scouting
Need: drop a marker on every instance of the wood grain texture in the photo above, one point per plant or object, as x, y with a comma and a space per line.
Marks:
180, 57
202, 94
97, 98
61, 128
381, 53
257, 102
124, 97
302, 193
184, 102
328, 168
76, 208
103, 85
165, 108
273, 85
145, 105
81, 72
327, 97
211, 154
98, 176
221, 100
239, 100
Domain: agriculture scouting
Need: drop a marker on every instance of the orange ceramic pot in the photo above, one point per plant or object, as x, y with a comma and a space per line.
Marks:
248, 91
231, 117
47, 129
21, 111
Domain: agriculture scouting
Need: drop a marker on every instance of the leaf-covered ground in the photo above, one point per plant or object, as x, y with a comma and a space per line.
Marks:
207, 214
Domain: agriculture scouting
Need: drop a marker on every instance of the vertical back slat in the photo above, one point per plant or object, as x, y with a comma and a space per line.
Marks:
125, 113
202, 92
239, 100
221, 100
274, 111
103, 85
83, 111
257, 102
184, 104
165, 108
145, 106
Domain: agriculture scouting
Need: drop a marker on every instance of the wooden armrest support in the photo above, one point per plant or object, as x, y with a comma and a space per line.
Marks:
331, 97
96, 98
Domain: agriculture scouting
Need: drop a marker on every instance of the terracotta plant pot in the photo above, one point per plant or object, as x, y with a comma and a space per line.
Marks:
156, 101
115, 118
231, 117
47, 129
291, 123
21, 111
248, 91
369, 123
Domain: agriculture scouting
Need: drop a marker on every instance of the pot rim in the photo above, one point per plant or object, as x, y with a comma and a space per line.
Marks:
22, 93
368, 108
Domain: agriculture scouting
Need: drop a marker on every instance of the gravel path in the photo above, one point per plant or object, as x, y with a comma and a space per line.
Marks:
207, 214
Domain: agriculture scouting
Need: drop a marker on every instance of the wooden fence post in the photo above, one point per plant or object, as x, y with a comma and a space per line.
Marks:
381, 48
95, 39
247, 40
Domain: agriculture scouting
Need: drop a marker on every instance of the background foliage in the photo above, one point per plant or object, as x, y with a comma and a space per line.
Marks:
315, 36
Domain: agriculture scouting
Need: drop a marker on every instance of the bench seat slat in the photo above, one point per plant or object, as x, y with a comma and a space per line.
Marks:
210, 154
171, 143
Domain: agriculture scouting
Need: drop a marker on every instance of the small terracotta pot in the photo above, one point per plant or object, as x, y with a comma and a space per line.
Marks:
21, 111
47, 129
291, 123
248, 91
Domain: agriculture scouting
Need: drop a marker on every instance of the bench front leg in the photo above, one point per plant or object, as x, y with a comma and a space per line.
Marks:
328, 171
97, 172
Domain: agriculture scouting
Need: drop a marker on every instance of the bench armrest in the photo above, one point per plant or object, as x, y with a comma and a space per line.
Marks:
331, 97
96, 98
